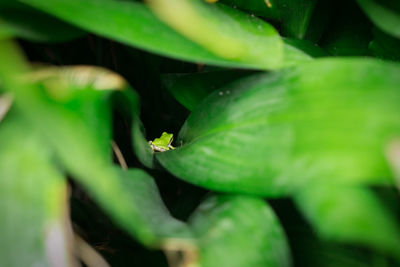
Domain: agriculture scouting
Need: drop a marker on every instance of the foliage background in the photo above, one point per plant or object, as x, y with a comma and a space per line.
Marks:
285, 114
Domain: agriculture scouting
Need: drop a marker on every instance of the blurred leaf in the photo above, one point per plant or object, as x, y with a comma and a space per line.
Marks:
145, 207
239, 231
384, 14
385, 46
327, 120
350, 214
28, 23
33, 201
191, 89
224, 31
72, 114
133, 24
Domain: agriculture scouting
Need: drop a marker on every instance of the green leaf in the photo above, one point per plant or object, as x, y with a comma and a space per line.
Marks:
191, 89
350, 214
33, 200
225, 225
384, 14
27, 23
133, 24
224, 31
139, 205
72, 113
326, 120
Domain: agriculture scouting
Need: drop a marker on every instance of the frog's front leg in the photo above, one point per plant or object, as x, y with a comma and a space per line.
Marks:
169, 144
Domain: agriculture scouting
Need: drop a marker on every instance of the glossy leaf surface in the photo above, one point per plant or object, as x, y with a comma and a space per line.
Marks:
258, 134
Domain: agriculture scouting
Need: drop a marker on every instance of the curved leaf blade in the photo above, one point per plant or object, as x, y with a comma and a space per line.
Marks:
385, 18
133, 24
332, 124
224, 31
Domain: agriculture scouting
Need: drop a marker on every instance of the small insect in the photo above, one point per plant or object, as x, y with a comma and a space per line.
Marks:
163, 143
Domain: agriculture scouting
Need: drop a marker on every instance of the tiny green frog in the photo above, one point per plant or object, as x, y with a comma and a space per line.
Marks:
163, 143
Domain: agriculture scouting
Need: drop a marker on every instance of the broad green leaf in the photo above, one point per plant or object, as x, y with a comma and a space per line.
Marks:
133, 24
27, 23
327, 120
350, 214
33, 200
239, 231
190, 89
72, 113
384, 14
224, 31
